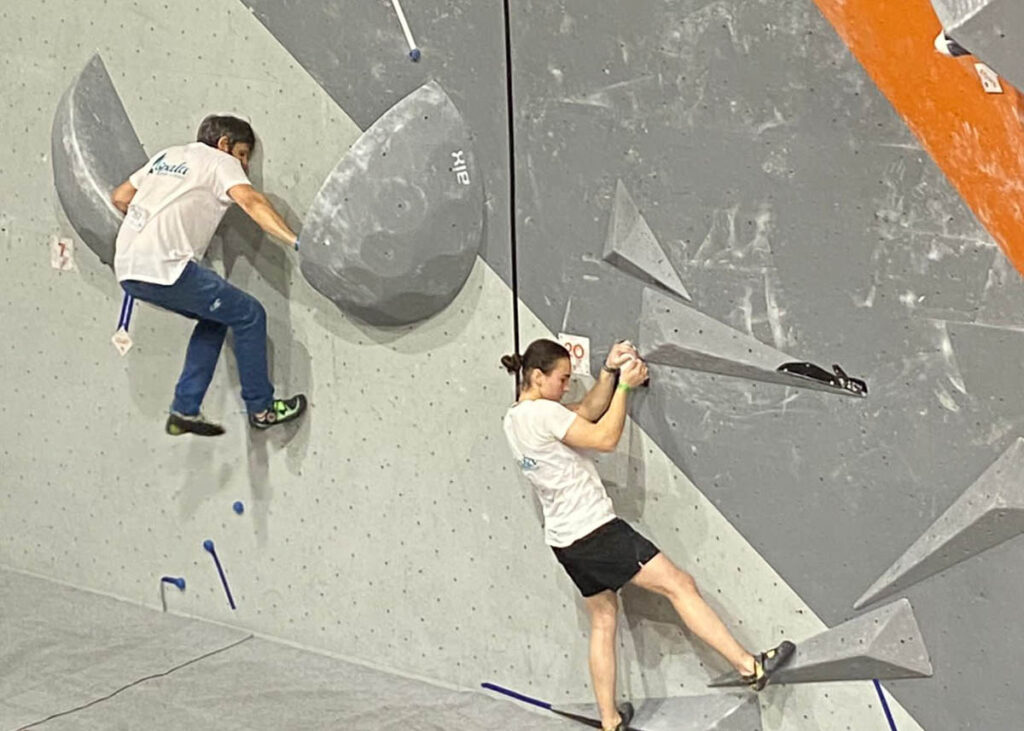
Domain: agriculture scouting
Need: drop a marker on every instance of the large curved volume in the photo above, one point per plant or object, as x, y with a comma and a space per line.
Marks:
95, 148
395, 229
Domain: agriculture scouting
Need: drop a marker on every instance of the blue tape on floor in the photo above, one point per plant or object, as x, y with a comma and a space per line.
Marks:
517, 696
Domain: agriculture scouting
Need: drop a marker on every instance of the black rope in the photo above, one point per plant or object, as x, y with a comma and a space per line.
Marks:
512, 187
134, 683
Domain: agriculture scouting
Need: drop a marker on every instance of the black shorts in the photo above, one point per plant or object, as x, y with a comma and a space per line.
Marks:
606, 558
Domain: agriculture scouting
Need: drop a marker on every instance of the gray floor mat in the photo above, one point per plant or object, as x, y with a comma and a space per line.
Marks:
61, 648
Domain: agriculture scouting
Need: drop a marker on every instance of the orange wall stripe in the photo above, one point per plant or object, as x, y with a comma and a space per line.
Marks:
977, 139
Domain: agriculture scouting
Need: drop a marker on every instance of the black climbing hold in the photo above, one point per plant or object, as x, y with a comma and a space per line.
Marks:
837, 379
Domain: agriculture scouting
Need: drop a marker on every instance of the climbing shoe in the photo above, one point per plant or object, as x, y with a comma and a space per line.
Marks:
178, 424
767, 663
626, 712
281, 411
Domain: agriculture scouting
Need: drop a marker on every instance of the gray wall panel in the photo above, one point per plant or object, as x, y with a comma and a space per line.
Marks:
798, 209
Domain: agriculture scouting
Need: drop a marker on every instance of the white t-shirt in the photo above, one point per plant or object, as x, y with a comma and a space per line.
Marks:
182, 195
570, 491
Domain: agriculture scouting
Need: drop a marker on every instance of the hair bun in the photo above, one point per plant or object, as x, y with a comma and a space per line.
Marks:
512, 362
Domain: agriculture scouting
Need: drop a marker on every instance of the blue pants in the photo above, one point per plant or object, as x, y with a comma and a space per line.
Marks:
203, 295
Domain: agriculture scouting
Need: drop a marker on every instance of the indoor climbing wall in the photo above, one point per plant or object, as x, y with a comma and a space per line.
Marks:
807, 223
720, 182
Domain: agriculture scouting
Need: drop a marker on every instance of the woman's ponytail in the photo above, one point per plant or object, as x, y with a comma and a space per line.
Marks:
513, 363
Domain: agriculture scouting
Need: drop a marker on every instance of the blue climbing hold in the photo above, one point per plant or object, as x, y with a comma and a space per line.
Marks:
178, 581
238, 507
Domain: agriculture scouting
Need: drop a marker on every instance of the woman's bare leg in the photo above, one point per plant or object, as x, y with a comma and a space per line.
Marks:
603, 609
661, 576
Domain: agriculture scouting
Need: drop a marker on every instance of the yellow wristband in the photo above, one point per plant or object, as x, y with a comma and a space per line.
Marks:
624, 387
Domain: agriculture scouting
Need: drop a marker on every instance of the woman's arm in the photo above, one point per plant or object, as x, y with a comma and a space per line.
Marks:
598, 398
603, 435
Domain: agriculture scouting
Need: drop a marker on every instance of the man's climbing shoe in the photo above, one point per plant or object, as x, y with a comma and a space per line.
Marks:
626, 712
767, 663
178, 424
281, 411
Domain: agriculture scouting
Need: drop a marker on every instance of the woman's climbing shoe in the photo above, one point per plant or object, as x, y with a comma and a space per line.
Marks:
626, 712
768, 662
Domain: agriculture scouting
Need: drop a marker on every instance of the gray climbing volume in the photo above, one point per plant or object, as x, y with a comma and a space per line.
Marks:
989, 512
395, 229
95, 149
884, 644
632, 247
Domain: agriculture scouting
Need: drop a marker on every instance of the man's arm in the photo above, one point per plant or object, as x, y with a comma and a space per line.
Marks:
259, 209
605, 433
122, 195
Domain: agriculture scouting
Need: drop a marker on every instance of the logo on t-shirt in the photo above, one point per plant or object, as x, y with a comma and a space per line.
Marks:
159, 167
526, 464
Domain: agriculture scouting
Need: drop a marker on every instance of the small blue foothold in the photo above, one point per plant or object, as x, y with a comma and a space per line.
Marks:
414, 54
238, 507
208, 545
178, 581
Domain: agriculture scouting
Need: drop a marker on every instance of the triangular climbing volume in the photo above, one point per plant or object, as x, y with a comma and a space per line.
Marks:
632, 247
676, 335
989, 512
884, 644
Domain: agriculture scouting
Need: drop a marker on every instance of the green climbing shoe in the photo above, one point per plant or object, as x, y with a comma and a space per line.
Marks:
281, 411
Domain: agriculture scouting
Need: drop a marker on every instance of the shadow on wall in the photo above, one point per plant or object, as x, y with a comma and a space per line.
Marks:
450, 321
254, 262
624, 475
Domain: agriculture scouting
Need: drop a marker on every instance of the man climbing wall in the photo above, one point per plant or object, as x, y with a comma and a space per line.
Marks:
172, 207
